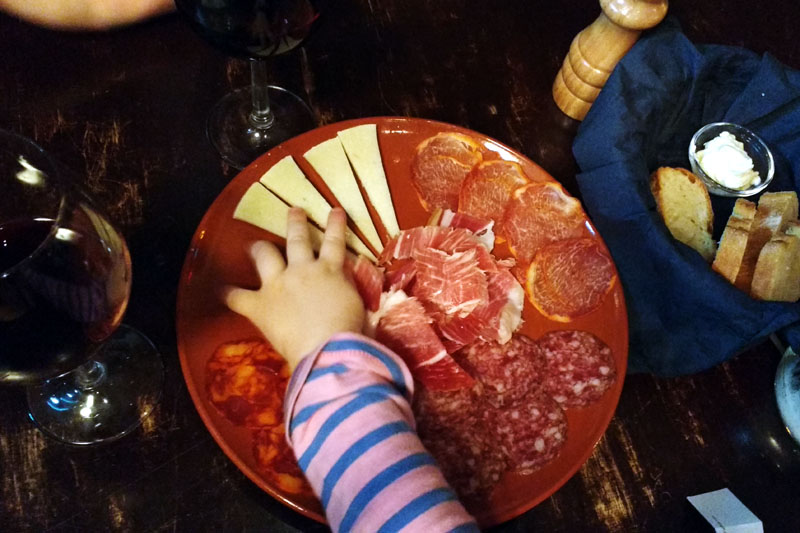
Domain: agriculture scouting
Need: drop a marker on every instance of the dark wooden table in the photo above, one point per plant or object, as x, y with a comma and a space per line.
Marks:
126, 110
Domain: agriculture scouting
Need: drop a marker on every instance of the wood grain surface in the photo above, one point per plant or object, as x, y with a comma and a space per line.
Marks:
125, 111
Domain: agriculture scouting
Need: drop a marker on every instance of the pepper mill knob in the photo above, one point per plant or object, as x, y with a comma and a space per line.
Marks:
596, 50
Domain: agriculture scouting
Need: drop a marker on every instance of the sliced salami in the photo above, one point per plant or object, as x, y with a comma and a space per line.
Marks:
580, 367
530, 432
509, 371
449, 424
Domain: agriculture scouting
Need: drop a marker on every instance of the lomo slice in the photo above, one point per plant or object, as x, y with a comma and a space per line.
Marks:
580, 367
488, 188
440, 165
538, 214
569, 278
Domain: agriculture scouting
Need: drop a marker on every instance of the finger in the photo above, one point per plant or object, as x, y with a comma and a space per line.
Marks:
298, 243
268, 260
238, 300
332, 249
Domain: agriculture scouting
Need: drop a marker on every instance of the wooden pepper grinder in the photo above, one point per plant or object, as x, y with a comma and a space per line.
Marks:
596, 50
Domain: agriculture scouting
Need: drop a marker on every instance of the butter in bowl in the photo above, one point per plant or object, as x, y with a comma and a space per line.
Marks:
731, 160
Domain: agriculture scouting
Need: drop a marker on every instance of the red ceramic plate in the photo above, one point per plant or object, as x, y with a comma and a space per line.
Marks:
218, 257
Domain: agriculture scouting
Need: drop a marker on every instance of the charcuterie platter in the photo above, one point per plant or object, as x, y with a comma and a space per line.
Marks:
558, 364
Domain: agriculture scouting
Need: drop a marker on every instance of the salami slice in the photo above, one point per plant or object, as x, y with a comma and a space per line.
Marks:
580, 367
449, 427
530, 432
441, 163
488, 188
538, 214
570, 278
510, 371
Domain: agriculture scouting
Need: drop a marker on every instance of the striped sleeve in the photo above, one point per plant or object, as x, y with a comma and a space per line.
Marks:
349, 420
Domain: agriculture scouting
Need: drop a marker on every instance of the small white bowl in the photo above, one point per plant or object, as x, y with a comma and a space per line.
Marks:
758, 151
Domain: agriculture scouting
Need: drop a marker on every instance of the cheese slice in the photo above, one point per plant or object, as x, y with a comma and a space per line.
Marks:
261, 208
288, 182
330, 162
361, 146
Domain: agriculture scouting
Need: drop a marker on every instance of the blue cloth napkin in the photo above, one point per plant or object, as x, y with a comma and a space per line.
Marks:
683, 317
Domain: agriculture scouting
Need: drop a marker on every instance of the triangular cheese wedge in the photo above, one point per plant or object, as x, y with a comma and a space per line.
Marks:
287, 181
330, 162
361, 146
263, 209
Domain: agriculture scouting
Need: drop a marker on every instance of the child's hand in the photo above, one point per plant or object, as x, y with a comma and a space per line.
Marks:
302, 301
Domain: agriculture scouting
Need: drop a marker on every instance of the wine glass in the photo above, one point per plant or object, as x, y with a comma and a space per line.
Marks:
65, 279
249, 121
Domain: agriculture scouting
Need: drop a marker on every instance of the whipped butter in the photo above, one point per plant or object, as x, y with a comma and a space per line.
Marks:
724, 160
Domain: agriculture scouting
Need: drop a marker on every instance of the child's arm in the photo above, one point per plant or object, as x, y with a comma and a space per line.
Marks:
347, 408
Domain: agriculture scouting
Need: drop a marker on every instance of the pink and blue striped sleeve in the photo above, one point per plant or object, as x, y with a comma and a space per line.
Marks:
349, 420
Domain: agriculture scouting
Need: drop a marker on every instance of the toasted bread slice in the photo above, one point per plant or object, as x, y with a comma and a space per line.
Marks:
734, 239
685, 206
775, 211
777, 272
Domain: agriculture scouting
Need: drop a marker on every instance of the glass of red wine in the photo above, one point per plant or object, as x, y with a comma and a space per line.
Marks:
249, 121
65, 280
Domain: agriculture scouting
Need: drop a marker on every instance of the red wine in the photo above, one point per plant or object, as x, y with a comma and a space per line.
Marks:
62, 291
251, 28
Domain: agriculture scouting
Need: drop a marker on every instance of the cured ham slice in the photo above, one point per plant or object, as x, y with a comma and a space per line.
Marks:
479, 227
404, 326
486, 191
538, 214
569, 278
441, 163
400, 276
436, 272
461, 285
368, 280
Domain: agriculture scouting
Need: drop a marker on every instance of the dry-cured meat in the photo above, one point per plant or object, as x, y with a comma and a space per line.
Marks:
403, 325
531, 432
569, 278
510, 370
246, 381
439, 167
488, 188
538, 214
580, 367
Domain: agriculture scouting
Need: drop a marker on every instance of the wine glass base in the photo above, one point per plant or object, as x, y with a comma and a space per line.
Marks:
787, 392
238, 141
104, 399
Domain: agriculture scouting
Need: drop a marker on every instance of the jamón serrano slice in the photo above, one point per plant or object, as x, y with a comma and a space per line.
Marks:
439, 167
404, 327
538, 214
569, 278
580, 367
488, 188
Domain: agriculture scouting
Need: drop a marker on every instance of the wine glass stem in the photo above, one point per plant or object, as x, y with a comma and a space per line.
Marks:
261, 117
89, 375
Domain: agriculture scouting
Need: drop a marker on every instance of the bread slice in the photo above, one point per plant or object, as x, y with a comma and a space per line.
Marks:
775, 211
734, 239
777, 272
685, 206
